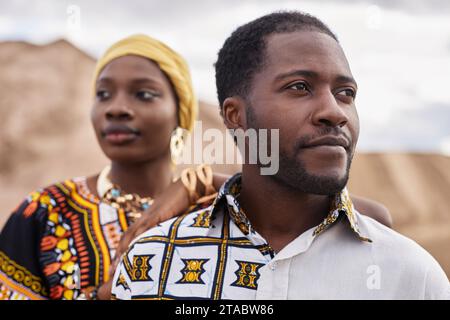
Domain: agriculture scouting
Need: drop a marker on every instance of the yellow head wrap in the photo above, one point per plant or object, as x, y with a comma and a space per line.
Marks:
173, 65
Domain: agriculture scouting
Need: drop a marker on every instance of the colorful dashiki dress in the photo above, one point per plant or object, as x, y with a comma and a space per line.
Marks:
59, 240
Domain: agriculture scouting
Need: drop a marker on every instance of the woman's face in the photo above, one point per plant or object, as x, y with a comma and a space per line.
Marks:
135, 110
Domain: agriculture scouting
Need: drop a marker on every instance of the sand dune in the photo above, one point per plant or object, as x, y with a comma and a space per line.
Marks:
46, 136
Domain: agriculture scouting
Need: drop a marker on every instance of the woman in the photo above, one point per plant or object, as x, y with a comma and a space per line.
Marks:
61, 241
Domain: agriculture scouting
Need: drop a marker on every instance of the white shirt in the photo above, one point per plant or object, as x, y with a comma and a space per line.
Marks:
213, 253
336, 266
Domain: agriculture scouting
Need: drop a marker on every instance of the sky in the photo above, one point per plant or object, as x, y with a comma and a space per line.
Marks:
398, 50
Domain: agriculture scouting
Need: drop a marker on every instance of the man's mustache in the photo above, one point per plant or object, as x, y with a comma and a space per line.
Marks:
330, 135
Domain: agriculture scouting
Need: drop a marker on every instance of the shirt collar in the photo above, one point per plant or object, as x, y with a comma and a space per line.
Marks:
341, 207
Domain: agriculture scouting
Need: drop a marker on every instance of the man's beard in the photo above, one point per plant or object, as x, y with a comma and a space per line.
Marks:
292, 171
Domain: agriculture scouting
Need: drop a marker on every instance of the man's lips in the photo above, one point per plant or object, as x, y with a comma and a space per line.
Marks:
329, 141
120, 134
328, 146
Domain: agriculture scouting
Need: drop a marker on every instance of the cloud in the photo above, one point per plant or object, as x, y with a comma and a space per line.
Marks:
422, 129
440, 7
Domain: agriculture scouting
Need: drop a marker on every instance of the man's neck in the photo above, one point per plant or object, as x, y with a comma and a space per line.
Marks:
145, 179
279, 212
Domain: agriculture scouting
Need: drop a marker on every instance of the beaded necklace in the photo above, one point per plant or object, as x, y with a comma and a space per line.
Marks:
132, 204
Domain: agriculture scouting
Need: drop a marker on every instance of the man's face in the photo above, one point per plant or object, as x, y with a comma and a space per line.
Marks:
306, 90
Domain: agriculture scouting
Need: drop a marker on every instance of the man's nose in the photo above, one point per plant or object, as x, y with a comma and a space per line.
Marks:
119, 109
328, 112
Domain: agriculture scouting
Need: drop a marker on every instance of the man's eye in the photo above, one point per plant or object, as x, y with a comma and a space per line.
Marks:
299, 86
103, 95
347, 92
146, 95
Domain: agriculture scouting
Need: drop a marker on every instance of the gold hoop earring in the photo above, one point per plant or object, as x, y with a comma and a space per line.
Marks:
176, 144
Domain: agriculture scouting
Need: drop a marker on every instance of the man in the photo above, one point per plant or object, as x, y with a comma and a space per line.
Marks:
295, 234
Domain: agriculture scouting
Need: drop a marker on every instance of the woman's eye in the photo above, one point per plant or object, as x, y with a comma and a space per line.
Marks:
347, 92
146, 95
103, 95
299, 86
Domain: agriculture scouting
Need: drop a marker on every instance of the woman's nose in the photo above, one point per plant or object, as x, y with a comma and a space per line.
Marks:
119, 110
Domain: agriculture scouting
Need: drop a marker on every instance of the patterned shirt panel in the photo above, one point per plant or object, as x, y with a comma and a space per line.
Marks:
211, 253
180, 259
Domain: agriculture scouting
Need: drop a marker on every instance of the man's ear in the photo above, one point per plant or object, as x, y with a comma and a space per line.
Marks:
233, 113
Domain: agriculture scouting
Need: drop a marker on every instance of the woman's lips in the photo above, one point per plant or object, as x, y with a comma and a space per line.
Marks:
120, 138
120, 134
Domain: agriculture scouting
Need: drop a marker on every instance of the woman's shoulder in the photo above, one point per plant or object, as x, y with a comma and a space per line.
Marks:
46, 199
64, 187
73, 188
373, 209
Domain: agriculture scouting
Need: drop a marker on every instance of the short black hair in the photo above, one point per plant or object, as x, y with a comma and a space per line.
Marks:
242, 54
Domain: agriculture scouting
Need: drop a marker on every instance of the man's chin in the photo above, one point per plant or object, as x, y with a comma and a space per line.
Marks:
309, 178
307, 182
328, 175
326, 185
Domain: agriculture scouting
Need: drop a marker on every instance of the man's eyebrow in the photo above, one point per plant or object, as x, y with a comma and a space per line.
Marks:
313, 74
303, 73
346, 79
